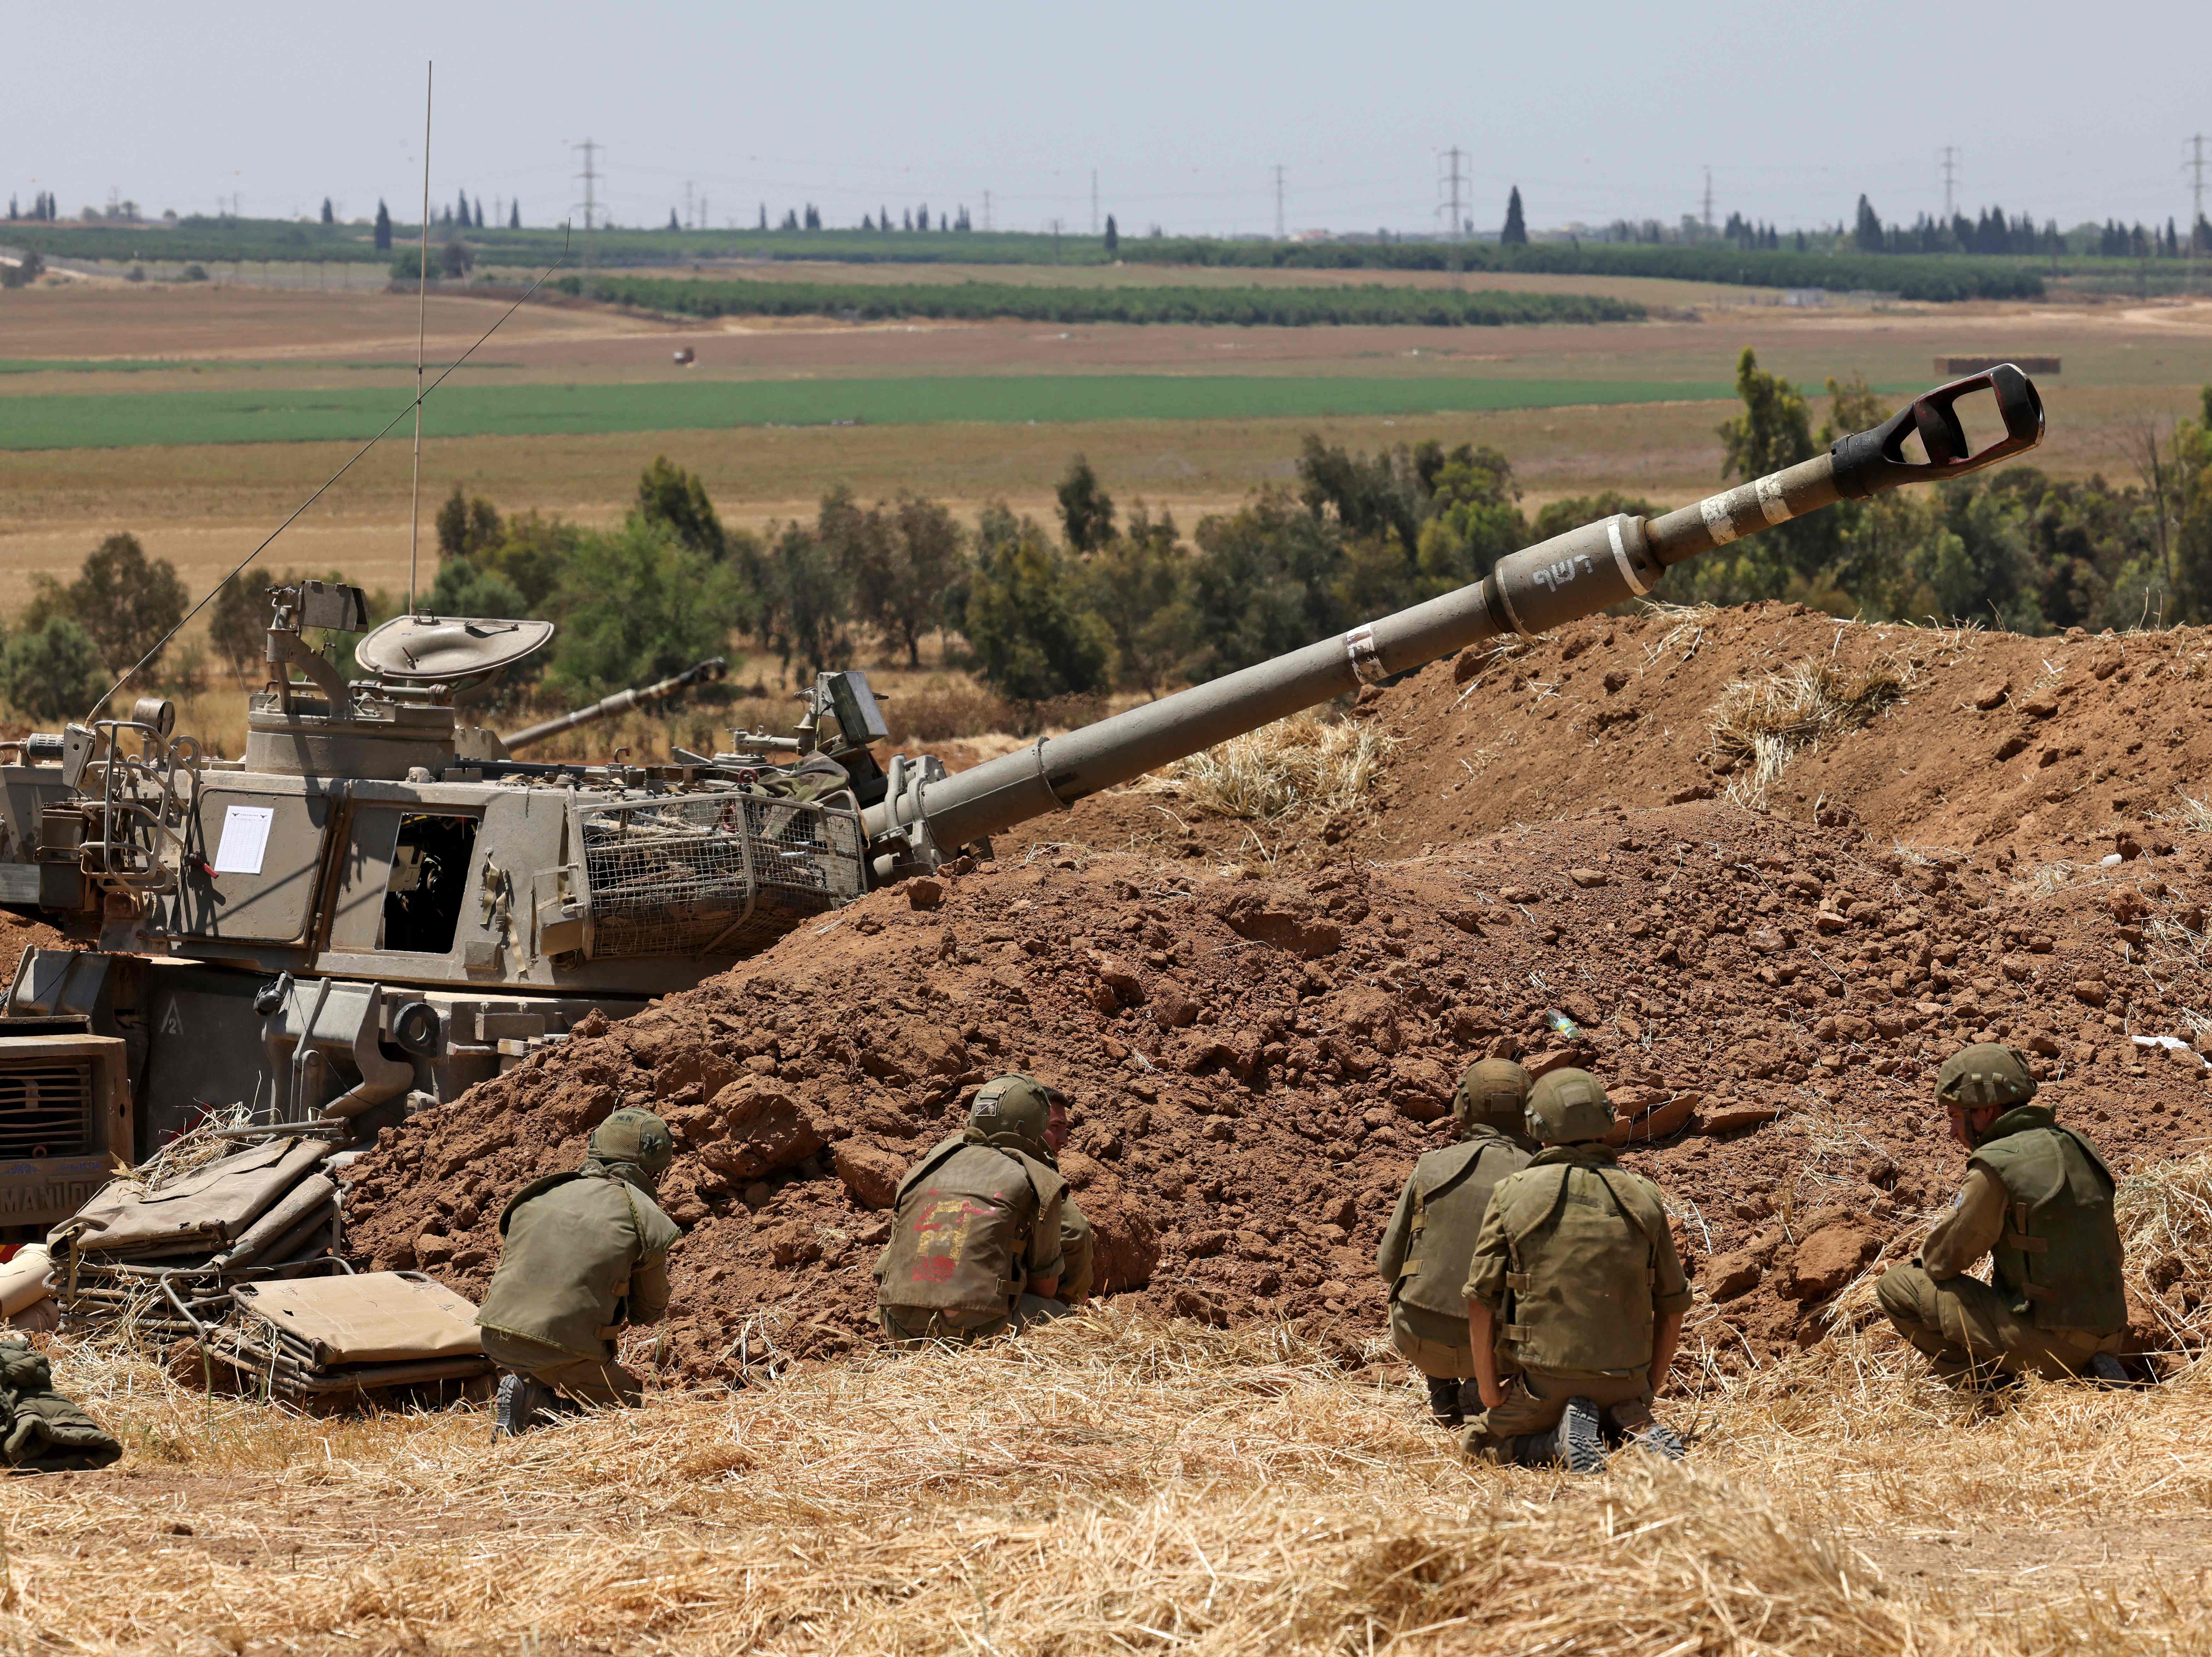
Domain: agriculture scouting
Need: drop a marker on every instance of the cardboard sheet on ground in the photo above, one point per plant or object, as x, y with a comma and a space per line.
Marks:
211, 1204
377, 1317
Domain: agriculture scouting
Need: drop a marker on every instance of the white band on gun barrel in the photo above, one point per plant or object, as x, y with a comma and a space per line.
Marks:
1714, 509
1620, 557
1770, 501
1366, 661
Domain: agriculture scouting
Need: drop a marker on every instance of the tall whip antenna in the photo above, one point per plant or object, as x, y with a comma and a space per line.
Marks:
422, 299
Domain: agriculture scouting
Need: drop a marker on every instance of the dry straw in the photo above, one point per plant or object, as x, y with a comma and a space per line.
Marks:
1764, 723
1111, 1483
1305, 767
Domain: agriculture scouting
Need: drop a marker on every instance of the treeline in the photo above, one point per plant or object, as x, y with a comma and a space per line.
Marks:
1934, 280
1992, 232
1293, 308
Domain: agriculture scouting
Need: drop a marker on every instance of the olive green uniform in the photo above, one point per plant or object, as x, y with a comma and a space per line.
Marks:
584, 1253
1079, 1270
973, 1224
1576, 1264
2038, 1199
1429, 1245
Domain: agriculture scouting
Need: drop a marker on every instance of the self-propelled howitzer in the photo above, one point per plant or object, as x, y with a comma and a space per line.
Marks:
377, 905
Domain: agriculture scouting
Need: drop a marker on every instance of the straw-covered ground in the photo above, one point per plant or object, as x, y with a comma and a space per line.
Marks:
1126, 1484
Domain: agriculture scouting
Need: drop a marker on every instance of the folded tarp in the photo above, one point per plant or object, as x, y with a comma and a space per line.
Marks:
376, 1317
201, 1210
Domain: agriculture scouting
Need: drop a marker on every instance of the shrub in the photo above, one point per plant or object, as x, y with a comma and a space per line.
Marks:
52, 672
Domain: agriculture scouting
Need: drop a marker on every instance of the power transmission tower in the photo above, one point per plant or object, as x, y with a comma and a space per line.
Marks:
987, 210
1094, 200
591, 178
1708, 200
690, 222
2196, 166
1454, 185
1280, 233
1949, 155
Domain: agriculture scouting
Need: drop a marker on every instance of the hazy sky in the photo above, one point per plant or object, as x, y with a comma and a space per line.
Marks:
1596, 111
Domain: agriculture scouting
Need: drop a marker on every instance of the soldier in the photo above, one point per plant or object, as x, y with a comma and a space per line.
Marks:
584, 1254
1576, 1278
2037, 1197
1430, 1241
979, 1228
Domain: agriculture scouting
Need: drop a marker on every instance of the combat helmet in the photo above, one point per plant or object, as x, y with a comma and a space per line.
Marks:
1985, 1074
1013, 1111
636, 1138
1569, 1107
1492, 1094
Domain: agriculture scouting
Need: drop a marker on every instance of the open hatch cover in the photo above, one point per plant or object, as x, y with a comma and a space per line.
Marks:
421, 649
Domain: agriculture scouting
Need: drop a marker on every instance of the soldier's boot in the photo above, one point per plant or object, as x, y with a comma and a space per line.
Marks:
1443, 1401
516, 1412
1579, 1441
1660, 1441
2106, 1369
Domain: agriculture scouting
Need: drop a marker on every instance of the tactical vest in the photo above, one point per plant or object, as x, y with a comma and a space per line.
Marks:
1451, 1193
2059, 1258
961, 1234
1582, 1254
571, 1242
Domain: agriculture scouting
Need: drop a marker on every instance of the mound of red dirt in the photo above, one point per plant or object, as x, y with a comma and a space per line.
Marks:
1258, 1061
2037, 748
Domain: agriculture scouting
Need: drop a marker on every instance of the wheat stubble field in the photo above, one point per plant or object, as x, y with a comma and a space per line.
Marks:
1121, 1484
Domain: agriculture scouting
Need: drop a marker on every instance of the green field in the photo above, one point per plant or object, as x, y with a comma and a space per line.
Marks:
103, 421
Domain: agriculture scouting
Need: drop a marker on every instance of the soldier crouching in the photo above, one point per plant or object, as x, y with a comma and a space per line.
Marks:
582, 1254
2037, 1197
1430, 1241
984, 1234
1575, 1275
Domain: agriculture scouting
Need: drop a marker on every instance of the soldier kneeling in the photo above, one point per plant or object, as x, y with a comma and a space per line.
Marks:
1430, 1241
1576, 1277
982, 1228
584, 1253
2037, 1197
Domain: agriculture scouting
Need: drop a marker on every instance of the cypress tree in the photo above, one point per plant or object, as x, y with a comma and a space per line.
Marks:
1515, 232
383, 239
329, 217
1113, 235
514, 215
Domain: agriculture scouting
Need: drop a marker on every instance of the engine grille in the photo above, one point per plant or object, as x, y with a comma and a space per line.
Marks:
727, 873
46, 1109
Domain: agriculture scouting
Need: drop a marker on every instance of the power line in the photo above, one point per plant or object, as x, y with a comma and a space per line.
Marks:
1454, 183
1949, 161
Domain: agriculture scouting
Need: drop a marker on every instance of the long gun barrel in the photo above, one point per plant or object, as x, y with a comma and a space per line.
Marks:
1569, 576
620, 702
